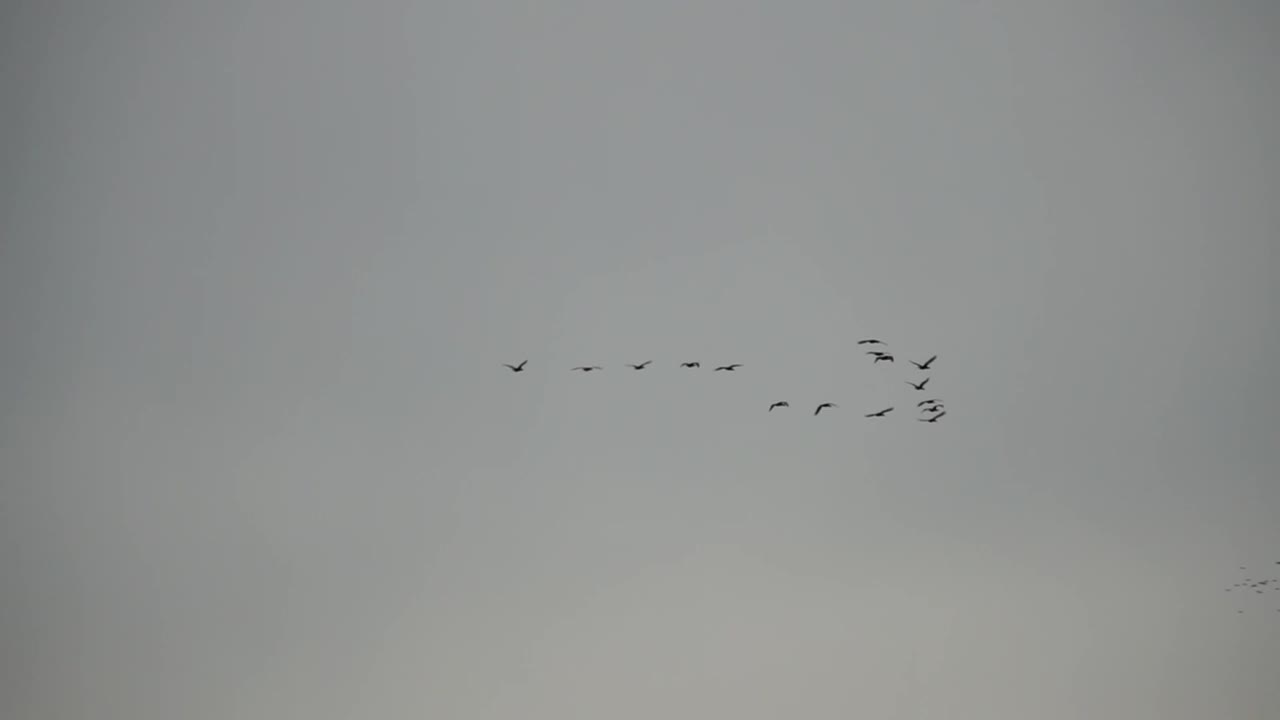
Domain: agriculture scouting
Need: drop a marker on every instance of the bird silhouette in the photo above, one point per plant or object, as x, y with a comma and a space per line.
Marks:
925, 365
730, 368
921, 385
824, 405
932, 409
588, 368
780, 403
693, 364
882, 356
933, 419
870, 341
930, 401
876, 353
641, 366
882, 413
517, 368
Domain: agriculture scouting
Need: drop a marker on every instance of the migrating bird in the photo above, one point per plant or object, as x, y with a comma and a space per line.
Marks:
824, 405
517, 368
921, 385
780, 403
882, 413
730, 368
930, 401
932, 409
882, 356
693, 364
934, 419
877, 353
588, 368
925, 365
641, 366
870, 341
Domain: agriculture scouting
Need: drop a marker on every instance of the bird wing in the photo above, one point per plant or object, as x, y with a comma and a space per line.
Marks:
926, 382
930, 360
944, 412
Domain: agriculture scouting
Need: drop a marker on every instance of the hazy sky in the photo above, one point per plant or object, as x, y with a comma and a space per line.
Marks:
260, 263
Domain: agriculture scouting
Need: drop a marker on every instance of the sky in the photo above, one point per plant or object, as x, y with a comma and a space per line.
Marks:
261, 264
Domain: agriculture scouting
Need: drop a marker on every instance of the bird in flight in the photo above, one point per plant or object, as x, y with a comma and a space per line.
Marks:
930, 401
921, 385
882, 413
934, 419
517, 368
730, 368
932, 409
924, 365
693, 364
877, 353
641, 366
824, 405
870, 341
780, 403
882, 356
588, 368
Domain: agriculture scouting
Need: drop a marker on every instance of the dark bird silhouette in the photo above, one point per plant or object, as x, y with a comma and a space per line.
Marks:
641, 366
882, 413
517, 368
824, 405
921, 385
934, 419
730, 368
925, 365
932, 409
882, 356
930, 401
877, 353
781, 403
588, 368
870, 341
693, 364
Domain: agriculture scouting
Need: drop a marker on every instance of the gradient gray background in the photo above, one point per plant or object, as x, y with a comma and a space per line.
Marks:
260, 262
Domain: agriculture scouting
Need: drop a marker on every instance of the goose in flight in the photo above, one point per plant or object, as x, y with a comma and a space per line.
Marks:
588, 368
921, 385
870, 341
693, 364
517, 368
730, 368
780, 403
933, 419
641, 366
930, 401
924, 365
932, 409
876, 353
882, 356
882, 413
824, 405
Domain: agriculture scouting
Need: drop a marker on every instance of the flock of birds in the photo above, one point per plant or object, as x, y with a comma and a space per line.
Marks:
931, 409
1250, 587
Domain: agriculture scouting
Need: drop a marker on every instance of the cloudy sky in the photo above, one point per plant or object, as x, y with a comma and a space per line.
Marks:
260, 264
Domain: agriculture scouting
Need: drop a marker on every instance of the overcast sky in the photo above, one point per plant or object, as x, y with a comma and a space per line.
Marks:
260, 264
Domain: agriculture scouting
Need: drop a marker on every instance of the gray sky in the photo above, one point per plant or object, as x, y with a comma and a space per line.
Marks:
260, 263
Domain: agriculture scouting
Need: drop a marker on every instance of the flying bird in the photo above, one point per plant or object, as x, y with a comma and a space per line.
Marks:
882, 356
517, 368
877, 353
693, 364
932, 409
588, 368
882, 413
730, 368
824, 405
925, 365
930, 401
921, 385
781, 403
641, 366
870, 341
933, 419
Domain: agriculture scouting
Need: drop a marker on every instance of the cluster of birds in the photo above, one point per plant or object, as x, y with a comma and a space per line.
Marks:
1254, 586
931, 410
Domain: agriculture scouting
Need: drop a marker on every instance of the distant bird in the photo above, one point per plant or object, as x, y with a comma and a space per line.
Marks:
877, 353
588, 368
882, 356
824, 405
517, 368
780, 403
882, 413
870, 341
641, 366
932, 409
934, 419
921, 385
730, 368
929, 401
693, 364
925, 365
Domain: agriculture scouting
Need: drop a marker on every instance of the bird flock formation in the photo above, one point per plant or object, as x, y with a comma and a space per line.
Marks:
1248, 588
931, 410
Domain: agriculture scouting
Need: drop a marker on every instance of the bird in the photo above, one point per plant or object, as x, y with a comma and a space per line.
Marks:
882, 356
933, 419
925, 365
730, 368
877, 353
932, 409
882, 413
693, 364
921, 385
930, 401
588, 368
780, 403
517, 368
641, 366
824, 405
870, 341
